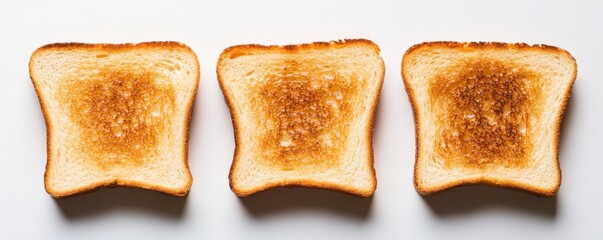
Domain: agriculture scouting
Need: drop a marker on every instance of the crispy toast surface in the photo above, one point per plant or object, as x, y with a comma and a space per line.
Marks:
487, 113
302, 114
116, 115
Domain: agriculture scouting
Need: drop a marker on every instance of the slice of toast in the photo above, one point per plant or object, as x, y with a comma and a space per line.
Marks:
302, 115
116, 115
487, 113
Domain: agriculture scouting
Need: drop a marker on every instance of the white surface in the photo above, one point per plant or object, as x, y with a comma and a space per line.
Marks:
212, 211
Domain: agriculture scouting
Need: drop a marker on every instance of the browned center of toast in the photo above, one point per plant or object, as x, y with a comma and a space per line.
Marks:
305, 116
485, 108
121, 114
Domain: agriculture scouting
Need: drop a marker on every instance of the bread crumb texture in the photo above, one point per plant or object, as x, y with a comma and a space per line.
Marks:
485, 109
305, 112
122, 114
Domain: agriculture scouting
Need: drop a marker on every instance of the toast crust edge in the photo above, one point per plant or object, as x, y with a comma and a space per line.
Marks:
489, 181
119, 182
235, 119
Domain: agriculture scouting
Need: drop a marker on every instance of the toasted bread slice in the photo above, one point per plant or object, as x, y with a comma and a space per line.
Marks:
487, 113
116, 115
302, 115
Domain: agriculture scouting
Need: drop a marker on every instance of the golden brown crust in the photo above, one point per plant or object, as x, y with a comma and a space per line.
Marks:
114, 47
50, 127
304, 184
231, 51
485, 45
474, 181
298, 47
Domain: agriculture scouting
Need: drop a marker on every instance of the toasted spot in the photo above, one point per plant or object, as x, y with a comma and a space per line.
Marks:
102, 55
121, 115
237, 54
485, 113
303, 116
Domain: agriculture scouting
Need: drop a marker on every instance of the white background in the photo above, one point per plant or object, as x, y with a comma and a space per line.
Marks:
212, 211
